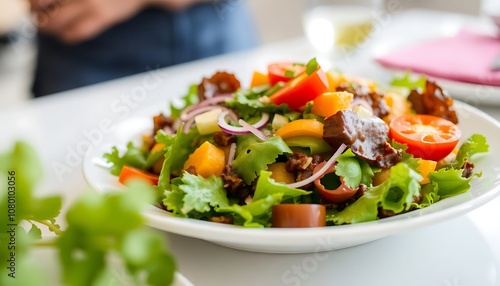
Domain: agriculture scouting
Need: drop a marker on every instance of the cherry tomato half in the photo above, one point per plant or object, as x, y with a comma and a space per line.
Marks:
298, 215
297, 92
428, 137
128, 173
341, 192
284, 72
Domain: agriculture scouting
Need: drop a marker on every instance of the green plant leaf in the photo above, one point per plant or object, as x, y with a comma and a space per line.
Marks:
46, 208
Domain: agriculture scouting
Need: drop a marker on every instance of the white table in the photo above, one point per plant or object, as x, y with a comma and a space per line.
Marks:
462, 251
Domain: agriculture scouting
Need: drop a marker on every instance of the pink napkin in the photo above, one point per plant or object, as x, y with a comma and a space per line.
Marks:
466, 57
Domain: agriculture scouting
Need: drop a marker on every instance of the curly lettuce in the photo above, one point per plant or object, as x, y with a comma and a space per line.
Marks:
132, 157
253, 155
395, 194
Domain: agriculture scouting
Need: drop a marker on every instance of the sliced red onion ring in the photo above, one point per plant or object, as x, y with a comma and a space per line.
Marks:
252, 129
185, 114
321, 171
232, 151
176, 124
187, 125
190, 120
363, 103
200, 110
235, 130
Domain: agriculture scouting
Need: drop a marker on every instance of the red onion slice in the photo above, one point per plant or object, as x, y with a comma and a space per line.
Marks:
230, 155
235, 130
176, 124
198, 111
185, 114
190, 120
363, 103
187, 125
321, 171
252, 129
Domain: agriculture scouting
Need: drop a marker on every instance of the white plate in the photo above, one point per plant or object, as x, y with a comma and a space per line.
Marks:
326, 238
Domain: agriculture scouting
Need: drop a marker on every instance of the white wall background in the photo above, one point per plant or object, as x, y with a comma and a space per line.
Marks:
281, 19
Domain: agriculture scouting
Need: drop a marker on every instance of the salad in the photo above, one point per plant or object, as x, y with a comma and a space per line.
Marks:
303, 147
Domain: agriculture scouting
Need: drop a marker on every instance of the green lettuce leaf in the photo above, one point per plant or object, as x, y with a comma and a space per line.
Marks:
349, 168
174, 198
248, 105
364, 209
408, 82
404, 186
266, 186
407, 157
473, 145
395, 194
181, 146
367, 172
161, 137
429, 194
307, 114
256, 214
450, 182
253, 155
133, 157
190, 98
202, 193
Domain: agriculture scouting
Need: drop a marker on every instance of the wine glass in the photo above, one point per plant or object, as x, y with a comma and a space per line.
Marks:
337, 27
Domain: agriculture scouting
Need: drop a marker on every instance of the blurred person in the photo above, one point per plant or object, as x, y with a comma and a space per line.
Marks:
81, 42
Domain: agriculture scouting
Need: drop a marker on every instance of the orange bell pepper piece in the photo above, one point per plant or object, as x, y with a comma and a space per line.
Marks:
206, 160
426, 166
259, 78
330, 103
301, 127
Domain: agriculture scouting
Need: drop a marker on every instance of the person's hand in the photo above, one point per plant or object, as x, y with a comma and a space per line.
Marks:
74, 21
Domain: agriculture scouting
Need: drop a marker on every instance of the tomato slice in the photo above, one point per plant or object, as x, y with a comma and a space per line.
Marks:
298, 215
284, 71
428, 137
339, 193
297, 92
128, 173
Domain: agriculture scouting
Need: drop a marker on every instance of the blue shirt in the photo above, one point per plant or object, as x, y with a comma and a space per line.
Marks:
151, 39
